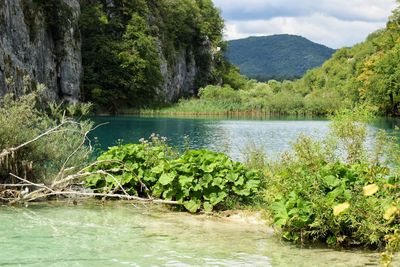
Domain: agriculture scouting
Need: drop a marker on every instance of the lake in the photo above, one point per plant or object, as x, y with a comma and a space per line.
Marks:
229, 135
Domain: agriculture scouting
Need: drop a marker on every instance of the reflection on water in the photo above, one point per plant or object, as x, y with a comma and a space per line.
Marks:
118, 234
217, 133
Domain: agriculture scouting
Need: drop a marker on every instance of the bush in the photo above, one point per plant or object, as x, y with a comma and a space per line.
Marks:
217, 93
336, 190
22, 120
323, 103
198, 179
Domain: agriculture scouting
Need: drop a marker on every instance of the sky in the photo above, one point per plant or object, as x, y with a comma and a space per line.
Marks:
334, 23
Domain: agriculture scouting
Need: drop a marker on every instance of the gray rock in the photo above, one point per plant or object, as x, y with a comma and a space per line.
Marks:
28, 48
180, 74
179, 77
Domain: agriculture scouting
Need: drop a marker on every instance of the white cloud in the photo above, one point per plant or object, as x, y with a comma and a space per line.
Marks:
369, 10
333, 23
330, 31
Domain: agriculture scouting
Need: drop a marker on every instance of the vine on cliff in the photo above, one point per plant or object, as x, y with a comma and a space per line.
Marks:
57, 17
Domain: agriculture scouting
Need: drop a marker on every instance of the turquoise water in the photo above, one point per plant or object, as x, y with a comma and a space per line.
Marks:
122, 234
218, 133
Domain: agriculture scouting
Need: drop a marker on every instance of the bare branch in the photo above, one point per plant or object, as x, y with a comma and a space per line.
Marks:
16, 185
31, 183
119, 196
9, 151
84, 139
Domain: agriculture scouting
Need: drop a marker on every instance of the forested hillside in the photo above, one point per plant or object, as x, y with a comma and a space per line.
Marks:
279, 57
145, 52
367, 74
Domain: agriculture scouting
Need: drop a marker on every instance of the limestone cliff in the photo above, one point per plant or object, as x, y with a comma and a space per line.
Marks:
179, 75
41, 39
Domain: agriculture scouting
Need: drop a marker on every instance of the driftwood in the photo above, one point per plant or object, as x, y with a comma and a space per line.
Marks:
9, 151
61, 186
114, 196
60, 189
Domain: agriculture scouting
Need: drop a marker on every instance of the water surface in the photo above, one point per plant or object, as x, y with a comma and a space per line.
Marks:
226, 135
230, 135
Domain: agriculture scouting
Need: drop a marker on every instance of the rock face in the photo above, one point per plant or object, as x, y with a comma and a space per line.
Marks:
34, 44
180, 75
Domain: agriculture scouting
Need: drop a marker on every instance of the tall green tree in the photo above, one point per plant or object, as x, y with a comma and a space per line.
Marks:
123, 43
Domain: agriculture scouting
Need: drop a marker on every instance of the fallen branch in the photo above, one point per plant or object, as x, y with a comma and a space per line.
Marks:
16, 185
84, 139
126, 197
42, 191
9, 151
61, 186
6, 199
31, 183
56, 190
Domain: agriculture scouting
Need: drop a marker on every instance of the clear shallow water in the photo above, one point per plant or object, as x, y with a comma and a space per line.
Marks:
119, 234
218, 133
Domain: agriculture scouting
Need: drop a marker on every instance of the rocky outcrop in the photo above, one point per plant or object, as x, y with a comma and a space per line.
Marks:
178, 77
181, 73
41, 39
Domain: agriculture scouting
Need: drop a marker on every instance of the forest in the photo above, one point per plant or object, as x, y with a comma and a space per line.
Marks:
276, 57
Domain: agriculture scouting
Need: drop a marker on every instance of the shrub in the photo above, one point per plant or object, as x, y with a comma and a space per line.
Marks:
22, 120
223, 94
198, 179
323, 103
329, 190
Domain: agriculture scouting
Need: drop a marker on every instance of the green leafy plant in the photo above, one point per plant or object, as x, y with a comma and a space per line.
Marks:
330, 190
198, 179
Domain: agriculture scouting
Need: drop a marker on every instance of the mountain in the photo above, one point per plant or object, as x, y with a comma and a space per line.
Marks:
277, 57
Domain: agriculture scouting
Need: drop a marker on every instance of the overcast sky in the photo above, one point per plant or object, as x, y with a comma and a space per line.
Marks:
335, 23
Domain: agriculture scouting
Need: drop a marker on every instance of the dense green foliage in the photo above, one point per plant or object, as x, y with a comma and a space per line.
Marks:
22, 120
336, 190
276, 57
272, 97
368, 72
124, 45
198, 179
